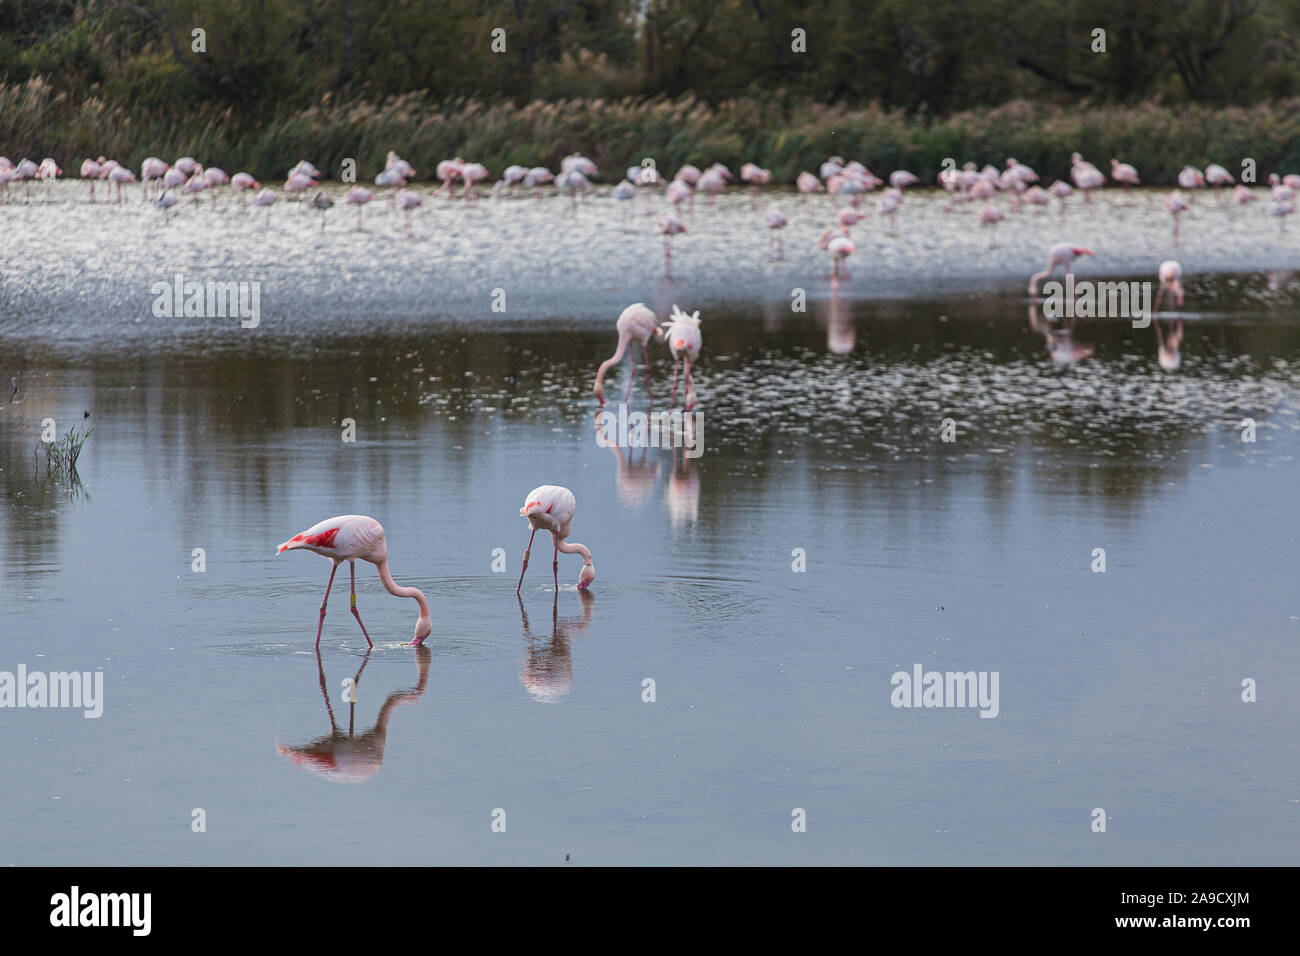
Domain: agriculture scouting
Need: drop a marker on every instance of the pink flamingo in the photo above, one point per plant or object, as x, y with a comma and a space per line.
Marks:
1062, 191
48, 171
358, 196
242, 181
391, 177
684, 340
776, 221
152, 168
1123, 174
1085, 175
1243, 194
448, 171
757, 177
1189, 177
174, 178
1176, 205
187, 165
347, 538
991, 216
1171, 280
213, 177
90, 170
1218, 177
551, 508
838, 246
299, 182
120, 175
406, 201
849, 217
1061, 254
890, 201
472, 174
668, 225
268, 198
636, 324
807, 183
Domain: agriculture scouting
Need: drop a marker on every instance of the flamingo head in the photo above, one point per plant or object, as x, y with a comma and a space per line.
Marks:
1081, 252
586, 576
423, 628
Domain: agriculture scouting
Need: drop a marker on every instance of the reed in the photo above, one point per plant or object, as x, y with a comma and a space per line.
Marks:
786, 134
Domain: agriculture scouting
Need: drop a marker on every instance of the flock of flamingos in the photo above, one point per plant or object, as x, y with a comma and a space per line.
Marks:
551, 508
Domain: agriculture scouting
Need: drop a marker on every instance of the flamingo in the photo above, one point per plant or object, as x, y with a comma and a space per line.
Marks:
358, 196
1189, 177
550, 508
1061, 190
684, 340
991, 216
679, 190
152, 168
512, 177
576, 162
688, 174
1176, 205
194, 185
471, 174
1085, 175
120, 175
1061, 254
1243, 194
1170, 274
1124, 174
448, 171
848, 217
776, 221
624, 192
571, 181
1217, 177
324, 204
1167, 350
165, 201
48, 171
406, 201
187, 165
347, 538
304, 169
807, 183
299, 182
1037, 196
535, 179
241, 181
668, 225
837, 246
1280, 190
267, 197
635, 324
214, 177
405, 169
900, 179
888, 205
90, 170
1281, 208
757, 177
174, 178
712, 182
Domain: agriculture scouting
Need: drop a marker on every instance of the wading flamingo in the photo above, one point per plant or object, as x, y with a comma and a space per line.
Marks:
776, 221
991, 216
1061, 254
1123, 174
550, 508
684, 340
636, 324
668, 225
1176, 204
347, 538
358, 196
838, 246
1171, 280
267, 197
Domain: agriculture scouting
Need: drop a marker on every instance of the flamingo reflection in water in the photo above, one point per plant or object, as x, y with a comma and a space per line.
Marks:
547, 672
636, 475
351, 757
1059, 339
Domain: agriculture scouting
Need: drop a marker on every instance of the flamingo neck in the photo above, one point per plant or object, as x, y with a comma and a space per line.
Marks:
392, 588
574, 548
613, 359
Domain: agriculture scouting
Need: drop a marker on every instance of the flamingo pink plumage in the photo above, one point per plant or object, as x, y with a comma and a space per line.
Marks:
685, 341
550, 508
349, 538
1061, 254
636, 324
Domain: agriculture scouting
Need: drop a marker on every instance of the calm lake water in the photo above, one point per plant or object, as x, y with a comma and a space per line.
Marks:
821, 435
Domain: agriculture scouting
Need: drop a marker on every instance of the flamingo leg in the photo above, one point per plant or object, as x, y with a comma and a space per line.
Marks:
352, 566
631, 372
555, 563
690, 386
527, 551
324, 601
645, 354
